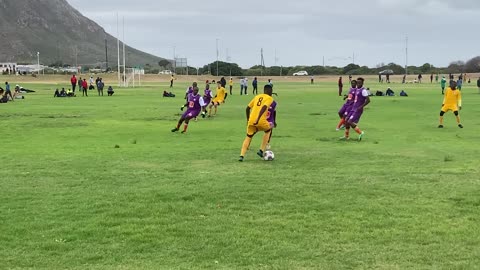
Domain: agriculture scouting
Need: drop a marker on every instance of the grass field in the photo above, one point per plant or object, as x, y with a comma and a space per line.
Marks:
407, 196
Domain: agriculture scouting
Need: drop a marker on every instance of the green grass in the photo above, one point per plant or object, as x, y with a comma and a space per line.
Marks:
407, 196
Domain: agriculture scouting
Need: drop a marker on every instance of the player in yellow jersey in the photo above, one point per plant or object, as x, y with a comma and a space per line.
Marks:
451, 102
230, 83
257, 120
219, 98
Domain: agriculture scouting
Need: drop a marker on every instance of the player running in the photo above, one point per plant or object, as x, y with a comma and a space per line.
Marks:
190, 90
195, 105
207, 95
219, 99
451, 102
257, 120
347, 106
353, 118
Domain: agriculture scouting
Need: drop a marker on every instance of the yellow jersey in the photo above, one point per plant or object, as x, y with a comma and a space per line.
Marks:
230, 82
220, 94
256, 106
452, 98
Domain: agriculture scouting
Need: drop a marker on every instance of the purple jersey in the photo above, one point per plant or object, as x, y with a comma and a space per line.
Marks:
271, 112
360, 97
207, 97
189, 90
195, 104
348, 104
351, 96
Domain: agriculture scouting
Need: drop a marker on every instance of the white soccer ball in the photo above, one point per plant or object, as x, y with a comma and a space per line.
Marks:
268, 156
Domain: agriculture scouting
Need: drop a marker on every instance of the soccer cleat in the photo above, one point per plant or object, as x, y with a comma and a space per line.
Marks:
344, 138
260, 153
240, 159
460, 125
361, 136
440, 126
183, 132
175, 130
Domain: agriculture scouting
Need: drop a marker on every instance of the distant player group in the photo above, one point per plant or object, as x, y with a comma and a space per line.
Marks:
260, 112
197, 104
352, 110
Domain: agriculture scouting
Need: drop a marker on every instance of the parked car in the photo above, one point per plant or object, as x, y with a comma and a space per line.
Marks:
167, 72
386, 72
301, 73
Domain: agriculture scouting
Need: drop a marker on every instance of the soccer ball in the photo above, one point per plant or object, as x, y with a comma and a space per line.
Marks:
268, 156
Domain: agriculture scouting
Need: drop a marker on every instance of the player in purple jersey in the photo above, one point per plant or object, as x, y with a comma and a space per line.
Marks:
347, 106
195, 105
190, 90
208, 95
353, 118
272, 119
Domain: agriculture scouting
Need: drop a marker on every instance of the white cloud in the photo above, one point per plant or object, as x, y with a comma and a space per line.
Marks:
302, 31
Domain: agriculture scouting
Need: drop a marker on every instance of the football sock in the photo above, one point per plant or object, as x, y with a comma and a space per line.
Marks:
341, 123
458, 119
441, 120
245, 145
185, 128
347, 132
266, 138
215, 110
357, 129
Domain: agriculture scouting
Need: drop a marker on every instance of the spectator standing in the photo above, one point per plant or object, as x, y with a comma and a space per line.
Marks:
100, 86
80, 84
420, 78
431, 78
436, 78
245, 86
84, 88
255, 86
8, 91
388, 78
230, 83
242, 83
312, 80
340, 86
73, 81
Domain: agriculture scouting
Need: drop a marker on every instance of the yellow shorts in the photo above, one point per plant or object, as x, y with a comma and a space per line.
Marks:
262, 126
218, 101
447, 108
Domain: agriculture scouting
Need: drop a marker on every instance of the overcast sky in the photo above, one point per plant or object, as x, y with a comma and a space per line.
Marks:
302, 32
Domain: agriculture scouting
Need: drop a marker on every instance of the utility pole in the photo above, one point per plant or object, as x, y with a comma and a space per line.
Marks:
406, 55
118, 51
262, 61
124, 61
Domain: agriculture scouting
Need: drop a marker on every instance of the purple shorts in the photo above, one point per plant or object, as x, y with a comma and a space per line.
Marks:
190, 114
354, 116
345, 109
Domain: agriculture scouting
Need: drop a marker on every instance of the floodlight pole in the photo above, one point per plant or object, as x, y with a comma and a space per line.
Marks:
124, 61
118, 51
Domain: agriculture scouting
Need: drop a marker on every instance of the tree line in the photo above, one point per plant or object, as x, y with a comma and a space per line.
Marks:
233, 69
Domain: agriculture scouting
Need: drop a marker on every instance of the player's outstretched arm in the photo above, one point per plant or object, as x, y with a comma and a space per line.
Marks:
248, 113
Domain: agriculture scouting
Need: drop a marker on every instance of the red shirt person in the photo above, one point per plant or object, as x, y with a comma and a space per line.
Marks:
73, 80
340, 86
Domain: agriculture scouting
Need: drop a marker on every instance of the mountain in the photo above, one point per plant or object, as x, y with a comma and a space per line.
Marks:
60, 33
